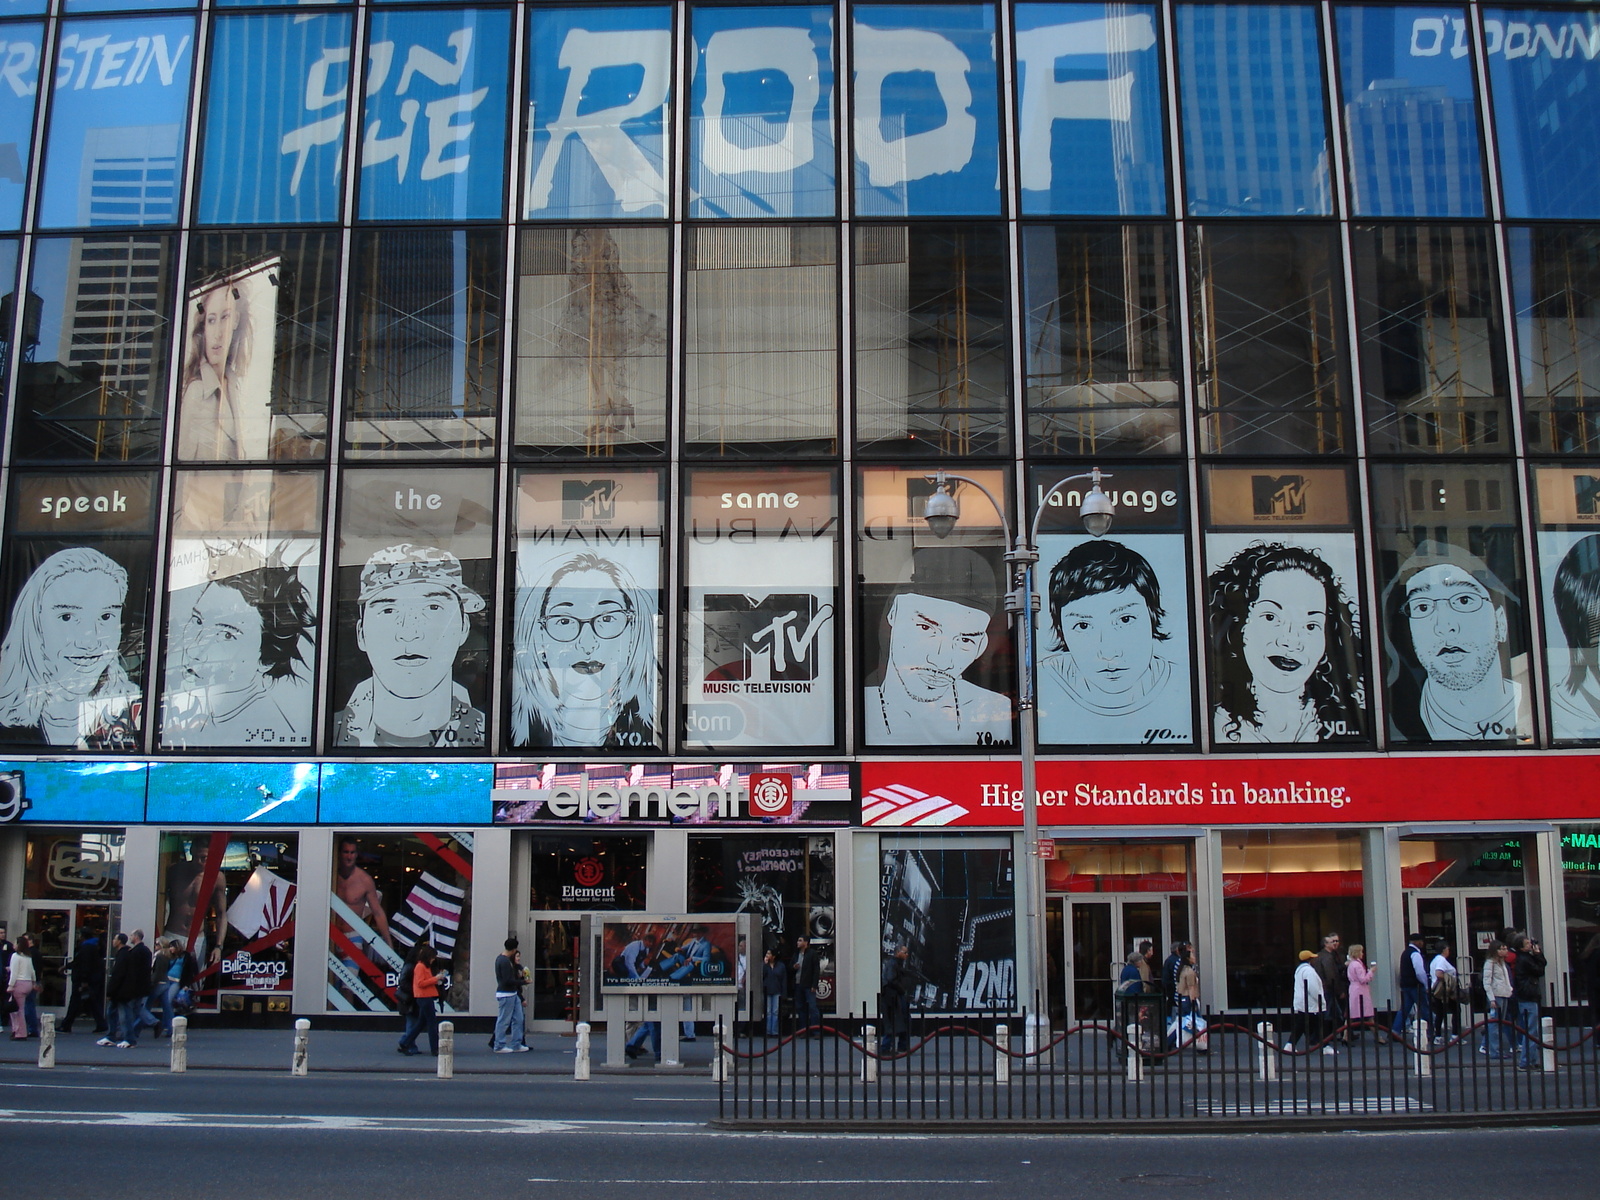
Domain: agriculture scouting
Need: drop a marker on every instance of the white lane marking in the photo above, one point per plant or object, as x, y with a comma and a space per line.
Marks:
169, 1120
77, 1087
763, 1182
675, 1099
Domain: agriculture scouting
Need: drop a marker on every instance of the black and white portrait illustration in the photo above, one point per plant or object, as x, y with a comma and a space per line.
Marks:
585, 634
1571, 568
63, 679
1285, 639
1454, 673
938, 627
1113, 660
414, 615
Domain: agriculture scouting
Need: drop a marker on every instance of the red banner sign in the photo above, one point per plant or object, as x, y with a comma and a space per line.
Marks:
1369, 790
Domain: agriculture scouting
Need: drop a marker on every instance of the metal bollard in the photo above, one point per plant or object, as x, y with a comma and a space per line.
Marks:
1135, 1059
721, 1058
1002, 1054
1547, 1052
47, 1041
1424, 1047
447, 1050
302, 1047
580, 1057
1266, 1053
869, 1064
180, 1045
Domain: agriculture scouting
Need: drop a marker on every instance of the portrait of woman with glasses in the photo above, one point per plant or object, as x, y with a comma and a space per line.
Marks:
585, 667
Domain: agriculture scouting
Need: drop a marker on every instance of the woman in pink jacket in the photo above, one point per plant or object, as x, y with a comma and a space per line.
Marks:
1360, 976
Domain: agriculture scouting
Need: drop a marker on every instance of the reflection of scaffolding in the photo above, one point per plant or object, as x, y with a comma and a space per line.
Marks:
1267, 367
1558, 272
1100, 374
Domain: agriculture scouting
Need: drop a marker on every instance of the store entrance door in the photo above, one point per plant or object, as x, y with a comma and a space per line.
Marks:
1468, 918
1098, 935
59, 927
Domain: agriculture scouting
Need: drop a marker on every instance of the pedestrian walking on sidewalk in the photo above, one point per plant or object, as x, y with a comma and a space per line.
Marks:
1527, 982
1496, 1041
24, 983
86, 987
1359, 998
510, 1028
130, 984
774, 983
895, 1002
425, 1004
1310, 1005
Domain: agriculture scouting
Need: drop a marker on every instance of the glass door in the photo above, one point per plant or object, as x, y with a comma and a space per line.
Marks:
554, 992
1468, 918
1102, 932
52, 925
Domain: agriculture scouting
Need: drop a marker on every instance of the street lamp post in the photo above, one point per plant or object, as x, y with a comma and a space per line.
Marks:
1022, 606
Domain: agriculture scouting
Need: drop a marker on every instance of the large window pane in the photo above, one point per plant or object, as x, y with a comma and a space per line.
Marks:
423, 364
1455, 634
586, 637
927, 132
955, 912
1090, 121
1544, 67
257, 360
1255, 136
75, 575
1101, 347
9, 253
934, 643
1433, 360
1410, 113
1269, 346
761, 113
242, 586
932, 342
415, 579
115, 158
19, 52
787, 881
761, 334
600, 80
1283, 607
435, 116
276, 95
762, 587
93, 379
1555, 285
592, 341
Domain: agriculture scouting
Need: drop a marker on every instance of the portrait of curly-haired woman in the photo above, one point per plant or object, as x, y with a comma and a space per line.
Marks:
1286, 661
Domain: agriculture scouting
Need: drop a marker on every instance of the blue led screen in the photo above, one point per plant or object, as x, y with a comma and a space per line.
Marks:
117, 120
275, 109
1255, 134
1089, 116
239, 793
414, 794
926, 118
599, 83
1410, 113
82, 792
761, 113
435, 120
1544, 75
19, 84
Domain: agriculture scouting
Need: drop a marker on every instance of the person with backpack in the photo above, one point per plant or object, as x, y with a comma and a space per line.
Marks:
1413, 981
1527, 984
1444, 994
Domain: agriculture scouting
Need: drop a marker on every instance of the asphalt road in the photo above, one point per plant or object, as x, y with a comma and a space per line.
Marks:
135, 1134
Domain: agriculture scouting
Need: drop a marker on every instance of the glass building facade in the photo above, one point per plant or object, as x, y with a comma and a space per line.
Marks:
471, 448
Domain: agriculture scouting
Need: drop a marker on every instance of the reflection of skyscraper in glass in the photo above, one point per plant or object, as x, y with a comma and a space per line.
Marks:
1414, 151
129, 176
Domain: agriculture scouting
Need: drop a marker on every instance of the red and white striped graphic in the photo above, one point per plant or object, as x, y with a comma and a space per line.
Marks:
896, 804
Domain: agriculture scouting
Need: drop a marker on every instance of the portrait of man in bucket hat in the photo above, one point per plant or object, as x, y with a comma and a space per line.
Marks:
414, 618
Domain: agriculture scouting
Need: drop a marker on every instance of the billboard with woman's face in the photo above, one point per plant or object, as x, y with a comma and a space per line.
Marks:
1283, 611
225, 387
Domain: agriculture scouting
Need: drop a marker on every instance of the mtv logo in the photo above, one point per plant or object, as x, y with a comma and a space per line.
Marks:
1278, 495
584, 500
1586, 495
777, 638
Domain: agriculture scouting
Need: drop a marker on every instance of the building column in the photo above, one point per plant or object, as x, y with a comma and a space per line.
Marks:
1383, 909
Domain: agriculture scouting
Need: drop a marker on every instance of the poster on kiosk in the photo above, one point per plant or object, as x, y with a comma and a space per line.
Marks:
687, 954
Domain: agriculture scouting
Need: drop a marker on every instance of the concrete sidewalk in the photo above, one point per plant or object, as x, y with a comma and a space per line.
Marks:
334, 1049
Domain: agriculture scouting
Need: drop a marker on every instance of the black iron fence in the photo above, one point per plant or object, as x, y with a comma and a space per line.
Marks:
1155, 1064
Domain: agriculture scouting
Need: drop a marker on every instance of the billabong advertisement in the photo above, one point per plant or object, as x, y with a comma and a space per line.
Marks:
393, 893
